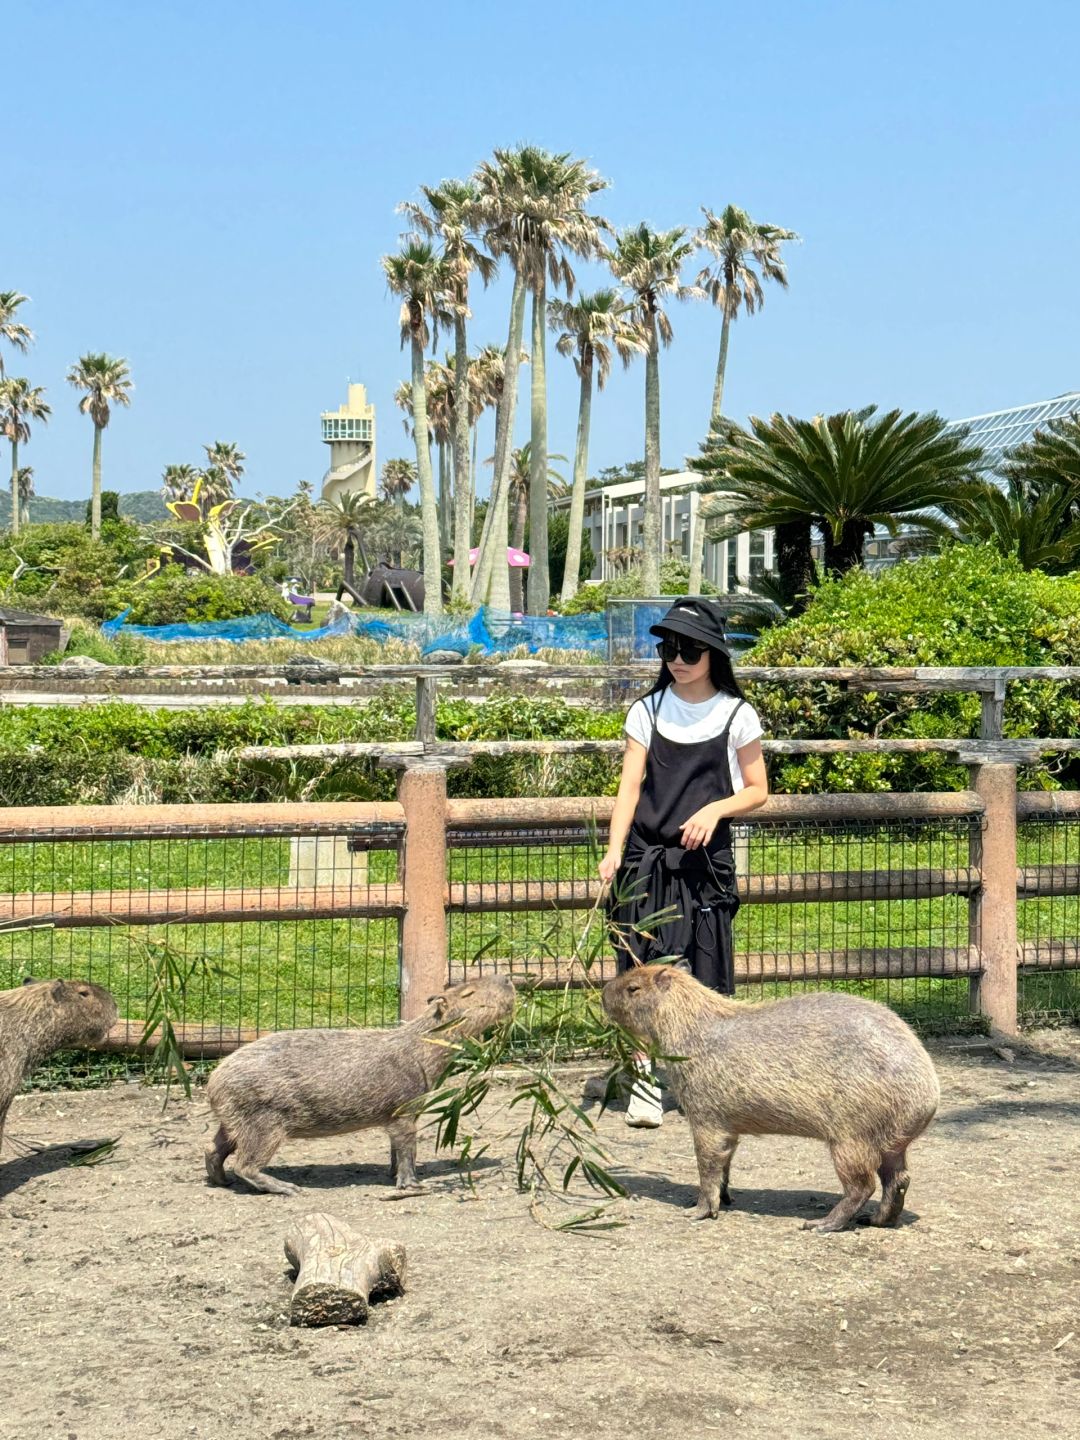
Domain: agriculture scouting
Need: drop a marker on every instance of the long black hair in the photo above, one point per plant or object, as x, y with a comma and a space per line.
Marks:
721, 673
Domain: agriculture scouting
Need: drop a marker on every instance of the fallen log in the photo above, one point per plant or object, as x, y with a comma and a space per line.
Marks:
340, 1273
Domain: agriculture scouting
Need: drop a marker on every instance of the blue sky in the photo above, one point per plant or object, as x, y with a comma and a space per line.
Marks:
206, 189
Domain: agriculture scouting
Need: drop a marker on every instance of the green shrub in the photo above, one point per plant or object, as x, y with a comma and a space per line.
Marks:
174, 596
966, 606
85, 640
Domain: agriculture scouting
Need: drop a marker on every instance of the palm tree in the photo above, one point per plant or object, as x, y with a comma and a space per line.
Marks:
178, 481
453, 216
20, 402
586, 328
395, 531
106, 381
533, 205
25, 487
647, 262
844, 474
398, 478
422, 279
17, 335
341, 525
739, 244
521, 468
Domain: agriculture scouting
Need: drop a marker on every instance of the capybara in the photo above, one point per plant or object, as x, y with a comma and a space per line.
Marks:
46, 1015
827, 1065
331, 1082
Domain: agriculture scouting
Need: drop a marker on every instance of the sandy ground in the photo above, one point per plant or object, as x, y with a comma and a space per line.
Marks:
135, 1299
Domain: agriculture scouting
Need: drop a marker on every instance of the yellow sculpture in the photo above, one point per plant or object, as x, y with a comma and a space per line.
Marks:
219, 538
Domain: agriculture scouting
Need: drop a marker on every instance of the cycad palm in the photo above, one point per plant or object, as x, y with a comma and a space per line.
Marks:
647, 263
739, 244
422, 279
20, 402
106, 381
17, 335
845, 473
452, 214
533, 204
589, 328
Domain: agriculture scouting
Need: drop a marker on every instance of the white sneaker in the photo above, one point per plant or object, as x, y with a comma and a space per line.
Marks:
645, 1110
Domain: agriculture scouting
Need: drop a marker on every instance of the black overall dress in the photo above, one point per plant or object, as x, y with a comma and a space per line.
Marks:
657, 873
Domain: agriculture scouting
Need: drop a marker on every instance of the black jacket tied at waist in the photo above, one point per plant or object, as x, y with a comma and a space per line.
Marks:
688, 886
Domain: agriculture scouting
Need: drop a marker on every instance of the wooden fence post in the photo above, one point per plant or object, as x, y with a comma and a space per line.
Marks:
422, 792
426, 700
993, 906
992, 713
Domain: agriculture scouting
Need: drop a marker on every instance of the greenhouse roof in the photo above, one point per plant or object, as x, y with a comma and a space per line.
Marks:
1001, 430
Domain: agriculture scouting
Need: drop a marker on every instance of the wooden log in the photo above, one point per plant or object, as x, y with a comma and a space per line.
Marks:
1050, 955
197, 1040
85, 909
339, 1273
1042, 880
375, 820
1041, 804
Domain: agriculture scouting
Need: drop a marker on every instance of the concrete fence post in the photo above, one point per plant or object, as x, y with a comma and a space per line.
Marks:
993, 906
422, 792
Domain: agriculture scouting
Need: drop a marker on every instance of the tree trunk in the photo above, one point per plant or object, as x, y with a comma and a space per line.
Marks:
721, 368
95, 493
581, 472
14, 487
348, 563
463, 476
538, 589
845, 553
517, 539
794, 563
650, 565
339, 1272
697, 549
428, 509
491, 580
444, 502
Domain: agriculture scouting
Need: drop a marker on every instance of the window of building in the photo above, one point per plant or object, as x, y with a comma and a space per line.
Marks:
336, 427
757, 553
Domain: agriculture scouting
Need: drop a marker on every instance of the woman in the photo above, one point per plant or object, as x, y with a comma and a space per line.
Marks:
693, 761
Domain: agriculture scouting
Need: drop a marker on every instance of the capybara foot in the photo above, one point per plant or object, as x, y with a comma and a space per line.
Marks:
706, 1209
266, 1184
725, 1197
827, 1226
215, 1169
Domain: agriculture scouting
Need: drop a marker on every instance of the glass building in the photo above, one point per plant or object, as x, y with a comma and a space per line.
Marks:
1002, 430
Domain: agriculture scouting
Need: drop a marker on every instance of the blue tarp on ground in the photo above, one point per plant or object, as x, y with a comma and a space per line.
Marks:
248, 627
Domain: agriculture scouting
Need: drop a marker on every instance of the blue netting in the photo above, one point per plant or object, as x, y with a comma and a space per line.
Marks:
546, 632
247, 627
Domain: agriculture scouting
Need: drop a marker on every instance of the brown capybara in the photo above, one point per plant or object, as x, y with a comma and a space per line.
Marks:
827, 1065
46, 1015
331, 1082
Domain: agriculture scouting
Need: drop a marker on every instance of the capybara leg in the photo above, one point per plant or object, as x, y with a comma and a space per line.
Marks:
217, 1152
714, 1149
894, 1183
254, 1149
402, 1134
856, 1164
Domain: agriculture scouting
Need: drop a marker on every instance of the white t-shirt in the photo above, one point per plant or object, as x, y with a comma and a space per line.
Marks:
687, 724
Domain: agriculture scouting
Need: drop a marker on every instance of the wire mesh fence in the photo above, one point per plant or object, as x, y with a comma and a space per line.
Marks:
1048, 923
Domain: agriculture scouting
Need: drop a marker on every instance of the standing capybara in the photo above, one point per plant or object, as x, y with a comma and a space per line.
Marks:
331, 1082
46, 1015
828, 1066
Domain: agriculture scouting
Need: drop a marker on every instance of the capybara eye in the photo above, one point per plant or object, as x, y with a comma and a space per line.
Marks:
632, 989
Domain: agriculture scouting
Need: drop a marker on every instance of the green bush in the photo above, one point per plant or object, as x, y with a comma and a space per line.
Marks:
174, 596
966, 606
69, 573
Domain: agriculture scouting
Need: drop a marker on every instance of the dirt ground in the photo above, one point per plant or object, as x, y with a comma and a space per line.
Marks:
137, 1300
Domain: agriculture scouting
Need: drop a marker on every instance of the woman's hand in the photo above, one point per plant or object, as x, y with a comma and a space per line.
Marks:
699, 829
608, 866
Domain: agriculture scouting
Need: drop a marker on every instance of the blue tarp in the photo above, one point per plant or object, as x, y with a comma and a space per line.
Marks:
248, 627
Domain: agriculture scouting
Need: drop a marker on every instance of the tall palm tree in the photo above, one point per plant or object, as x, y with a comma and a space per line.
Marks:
25, 486
738, 245
533, 204
844, 474
439, 388
178, 481
588, 329
647, 262
18, 335
422, 279
398, 478
106, 381
453, 215
20, 402
342, 524
521, 468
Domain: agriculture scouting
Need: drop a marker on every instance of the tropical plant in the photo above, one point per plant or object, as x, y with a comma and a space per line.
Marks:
846, 474
342, 526
25, 488
452, 215
395, 531
20, 402
532, 204
422, 279
106, 381
17, 335
225, 465
647, 262
521, 469
588, 329
398, 478
1036, 525
738, 244
178, 481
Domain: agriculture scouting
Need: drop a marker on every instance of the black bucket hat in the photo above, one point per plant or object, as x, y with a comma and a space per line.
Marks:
699, 620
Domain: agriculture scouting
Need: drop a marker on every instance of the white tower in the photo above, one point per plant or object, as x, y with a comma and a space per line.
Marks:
350, 433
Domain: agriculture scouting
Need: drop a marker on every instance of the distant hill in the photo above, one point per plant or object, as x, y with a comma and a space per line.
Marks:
140, 505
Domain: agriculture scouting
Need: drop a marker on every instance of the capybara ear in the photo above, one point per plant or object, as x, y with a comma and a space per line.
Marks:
684, 965
57, 989
439, 1002
29, 980
663, 977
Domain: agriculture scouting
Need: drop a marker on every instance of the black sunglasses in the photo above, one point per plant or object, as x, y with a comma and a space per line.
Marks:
671, 648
